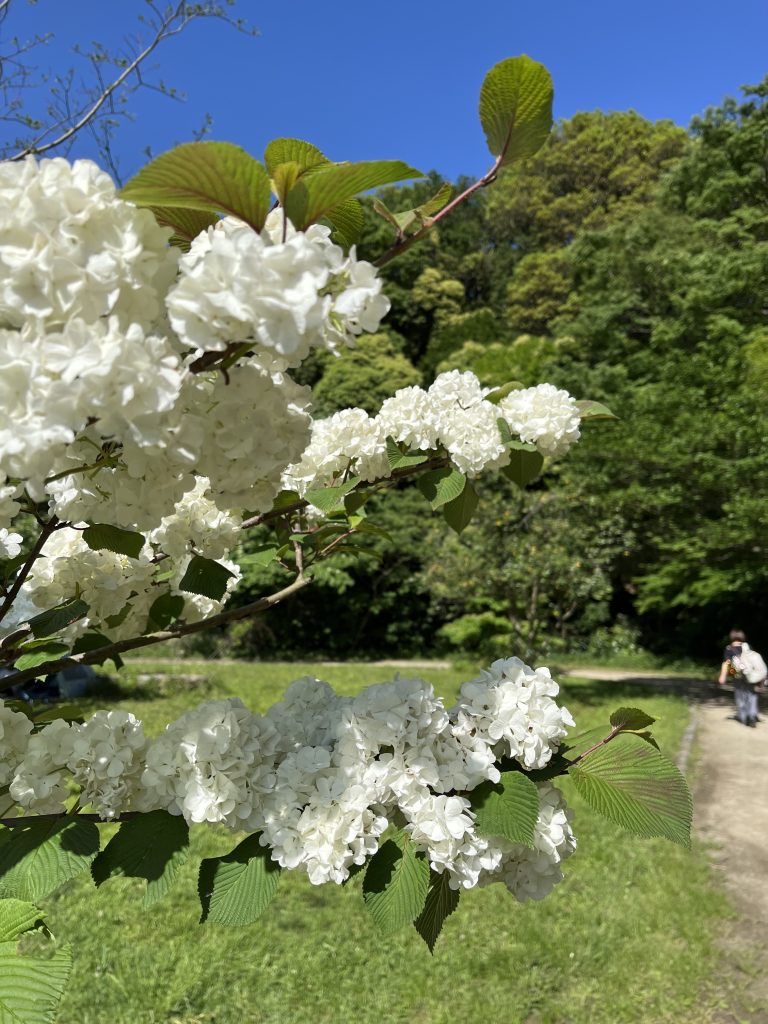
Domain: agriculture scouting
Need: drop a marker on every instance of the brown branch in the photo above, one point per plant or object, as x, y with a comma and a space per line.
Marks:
31, 819
45, 533
100, 654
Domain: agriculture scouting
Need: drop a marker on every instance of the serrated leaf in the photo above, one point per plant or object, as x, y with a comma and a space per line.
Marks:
102, 537
594, 411
92, 642
631, 718
418, 214
495, 396
383, 211
39, 653
440, 904
36, 859
632, 784
164, 610
508, 808
439, 486
347, 221
516, 108
285, 499
524, 466
396, 884
437, 202
458, 513
316, 194
206, 577
295, 151
186, 224
17, 917
153, 846
331, 499
31, 989
216, 177
401, 460
263, 557
236, 889
55, 619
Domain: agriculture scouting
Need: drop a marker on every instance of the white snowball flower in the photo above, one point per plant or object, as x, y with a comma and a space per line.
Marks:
10, 543
443, 828
69, 247
348, 440
197, 522
107, 760
510, 707
543, 415
409, 417
15, 729
39, 782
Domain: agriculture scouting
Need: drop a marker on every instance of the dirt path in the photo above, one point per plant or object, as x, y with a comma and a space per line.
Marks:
730, 787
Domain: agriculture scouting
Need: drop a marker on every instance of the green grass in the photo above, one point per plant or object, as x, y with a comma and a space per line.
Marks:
628, 937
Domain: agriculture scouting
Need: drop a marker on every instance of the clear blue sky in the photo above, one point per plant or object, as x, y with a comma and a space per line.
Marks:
401, 79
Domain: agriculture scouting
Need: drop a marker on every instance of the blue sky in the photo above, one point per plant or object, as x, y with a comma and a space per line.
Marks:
401, 79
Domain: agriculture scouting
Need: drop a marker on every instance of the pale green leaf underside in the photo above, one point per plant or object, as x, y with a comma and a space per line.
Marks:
632, 784
508, 809
31, 989
395, 885
516, 108
17, 917
236, 889
293, 151
36, 859
347, 221
440, 486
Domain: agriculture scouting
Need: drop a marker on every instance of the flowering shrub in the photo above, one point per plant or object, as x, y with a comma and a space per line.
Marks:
150, 417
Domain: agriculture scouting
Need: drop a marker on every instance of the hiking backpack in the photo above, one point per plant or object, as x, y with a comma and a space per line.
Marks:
751, 665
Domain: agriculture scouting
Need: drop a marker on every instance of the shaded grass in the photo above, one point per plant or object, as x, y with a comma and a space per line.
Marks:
628, 937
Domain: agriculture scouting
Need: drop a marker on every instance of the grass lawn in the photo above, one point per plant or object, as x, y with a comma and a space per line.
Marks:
628, 937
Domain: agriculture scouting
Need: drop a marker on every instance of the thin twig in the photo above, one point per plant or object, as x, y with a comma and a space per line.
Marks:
25, 570
32, 819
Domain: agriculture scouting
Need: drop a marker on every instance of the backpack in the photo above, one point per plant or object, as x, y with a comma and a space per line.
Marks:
751, 665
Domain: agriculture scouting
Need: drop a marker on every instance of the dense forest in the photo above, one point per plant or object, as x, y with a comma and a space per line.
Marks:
628, 263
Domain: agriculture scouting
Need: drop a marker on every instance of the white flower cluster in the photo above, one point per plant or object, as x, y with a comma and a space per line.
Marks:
322, 776
453, 414
282, 291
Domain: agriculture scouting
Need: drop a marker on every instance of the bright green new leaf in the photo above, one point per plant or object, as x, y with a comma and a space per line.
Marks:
39, 652
216, 177
495, 396
508, 808
55, 619
293, 151
101, 537
236, 889
458, 513
440, 486
419, 214
186, 224
331, 499
398, 459
632, 784
36, 859
440, 904
395, 885
263, 557
153, 846
316, 194
516, 108
30, 988
631, 718
206, 577
17, 917
524, 466
594, 411
347, 221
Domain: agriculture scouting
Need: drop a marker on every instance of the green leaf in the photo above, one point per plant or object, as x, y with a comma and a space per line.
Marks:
398, 459
186, 224
215, 177
418, 214
440, 486
236, 889
17, 917
164, 610
395, 885
331, 499
36, 859
31, 989
56, 619
101, 537
347, 221
495, 396
92, 642
153, 846
263, 557
316, 194
285, 499
594, 411
635, 786
293, 151
516, 108
508, 808
524, 466
206, 577
631, 718
459, 512
40, 652
440, 904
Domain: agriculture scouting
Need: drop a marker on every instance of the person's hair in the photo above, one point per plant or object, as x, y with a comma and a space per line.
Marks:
736, 636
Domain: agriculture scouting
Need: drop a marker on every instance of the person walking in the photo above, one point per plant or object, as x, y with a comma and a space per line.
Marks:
732, 670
